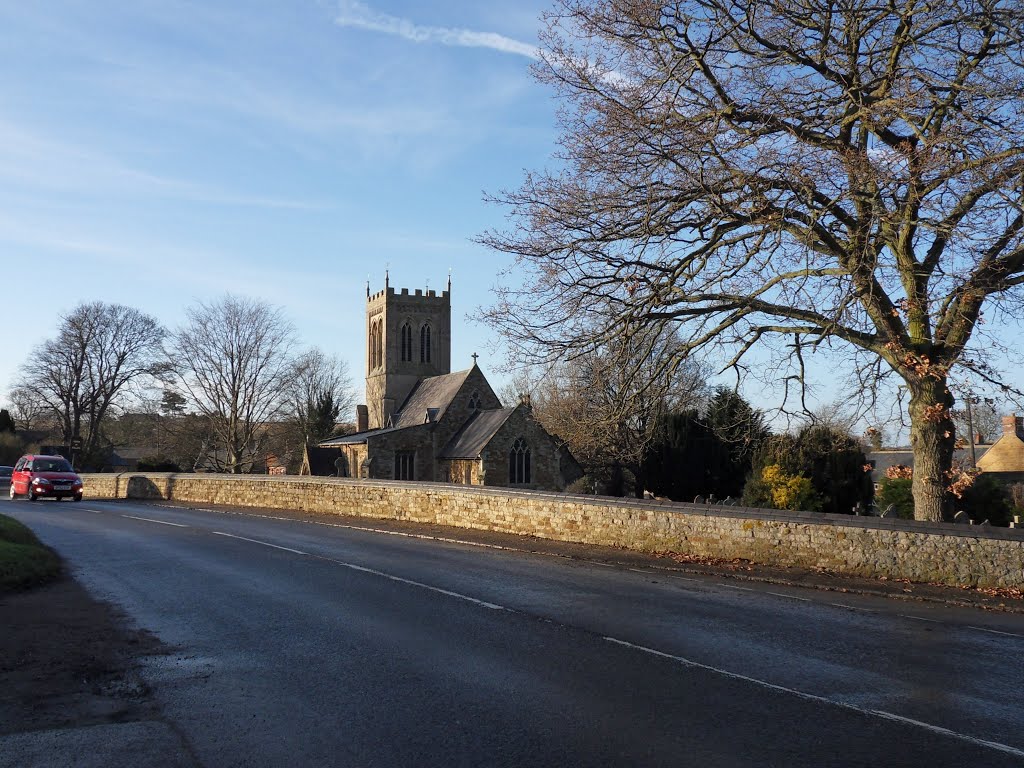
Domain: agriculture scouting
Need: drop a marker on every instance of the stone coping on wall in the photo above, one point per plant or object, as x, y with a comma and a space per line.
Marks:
869, 522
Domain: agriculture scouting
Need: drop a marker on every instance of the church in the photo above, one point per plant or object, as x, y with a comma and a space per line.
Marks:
423, 422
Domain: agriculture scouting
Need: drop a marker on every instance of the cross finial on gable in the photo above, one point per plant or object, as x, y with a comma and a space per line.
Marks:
474, 356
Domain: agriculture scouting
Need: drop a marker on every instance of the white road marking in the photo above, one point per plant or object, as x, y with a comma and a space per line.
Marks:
790, 597
400, 580
733, 586
683, 578
849, 607
996, 632
256, 541
151, 520
382, 574
821, 699
919, 618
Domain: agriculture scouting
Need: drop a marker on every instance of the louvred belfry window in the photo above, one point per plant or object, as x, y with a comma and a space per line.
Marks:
406, 343
425, 344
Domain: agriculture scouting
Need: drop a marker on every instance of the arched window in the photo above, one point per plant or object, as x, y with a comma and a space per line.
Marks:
407, 343
425, 343
474, 402
378, 344
519, 462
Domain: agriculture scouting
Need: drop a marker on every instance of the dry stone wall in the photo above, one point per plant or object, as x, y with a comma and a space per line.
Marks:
864, 546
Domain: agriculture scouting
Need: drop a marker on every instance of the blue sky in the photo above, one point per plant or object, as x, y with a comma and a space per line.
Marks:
157, 152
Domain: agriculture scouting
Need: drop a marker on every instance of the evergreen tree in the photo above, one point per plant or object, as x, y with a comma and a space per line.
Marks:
833, 461
6, 422
740, 431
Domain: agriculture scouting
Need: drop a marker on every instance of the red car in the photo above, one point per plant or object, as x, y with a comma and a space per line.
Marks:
38, 476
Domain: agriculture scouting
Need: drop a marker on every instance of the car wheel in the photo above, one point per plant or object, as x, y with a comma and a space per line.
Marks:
32, 495
13, 494
78, 497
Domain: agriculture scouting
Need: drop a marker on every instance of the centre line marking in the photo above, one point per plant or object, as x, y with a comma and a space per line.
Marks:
151, 520
996, 632
849, 607
822, 699
363, 569
400, 580
256, 541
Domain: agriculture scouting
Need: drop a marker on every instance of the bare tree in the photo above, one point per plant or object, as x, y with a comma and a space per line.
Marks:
797, 177
232, 358
27, 409
321, 391
82, 373
606, 404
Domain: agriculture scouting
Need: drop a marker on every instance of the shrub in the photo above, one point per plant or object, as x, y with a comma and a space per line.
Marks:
987, 499
785, 491
897, 492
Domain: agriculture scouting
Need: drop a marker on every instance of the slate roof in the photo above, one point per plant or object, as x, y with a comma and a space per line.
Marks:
470, 440
355, 438
434, 393
893, 456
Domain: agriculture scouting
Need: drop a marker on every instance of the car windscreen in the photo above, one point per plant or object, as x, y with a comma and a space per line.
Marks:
51, 465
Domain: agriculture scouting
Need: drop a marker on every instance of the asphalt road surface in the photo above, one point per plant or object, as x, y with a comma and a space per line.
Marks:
307, 644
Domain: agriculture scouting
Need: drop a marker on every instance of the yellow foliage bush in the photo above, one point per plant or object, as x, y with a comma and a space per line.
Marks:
789, 491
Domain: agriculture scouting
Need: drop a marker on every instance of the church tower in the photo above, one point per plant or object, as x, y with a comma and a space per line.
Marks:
408, 338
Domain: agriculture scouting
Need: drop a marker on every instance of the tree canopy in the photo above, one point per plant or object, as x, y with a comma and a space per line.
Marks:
82, 373
795, 176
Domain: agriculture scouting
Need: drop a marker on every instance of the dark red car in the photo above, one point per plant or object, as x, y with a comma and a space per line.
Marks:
38, 476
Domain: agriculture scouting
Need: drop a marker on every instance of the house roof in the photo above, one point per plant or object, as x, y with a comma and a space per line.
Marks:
905, 456
1005, 455
470, 440
433, 394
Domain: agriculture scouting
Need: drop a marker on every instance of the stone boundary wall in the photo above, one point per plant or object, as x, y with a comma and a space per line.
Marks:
975, 556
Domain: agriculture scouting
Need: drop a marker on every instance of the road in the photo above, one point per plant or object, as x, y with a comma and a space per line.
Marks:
305, 643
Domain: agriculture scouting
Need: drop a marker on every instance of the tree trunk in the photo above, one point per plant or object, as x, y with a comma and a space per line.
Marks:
932, 438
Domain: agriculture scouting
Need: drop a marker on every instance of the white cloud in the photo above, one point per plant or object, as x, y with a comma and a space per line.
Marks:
355, 14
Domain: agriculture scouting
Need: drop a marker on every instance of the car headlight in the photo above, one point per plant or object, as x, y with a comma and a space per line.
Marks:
40, 481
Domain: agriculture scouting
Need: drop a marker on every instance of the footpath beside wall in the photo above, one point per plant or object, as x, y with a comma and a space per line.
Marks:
945, 553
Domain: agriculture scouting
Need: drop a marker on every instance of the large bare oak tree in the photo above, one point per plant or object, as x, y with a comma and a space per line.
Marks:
795, 175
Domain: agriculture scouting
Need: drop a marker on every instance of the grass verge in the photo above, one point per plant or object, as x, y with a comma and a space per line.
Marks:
24, 562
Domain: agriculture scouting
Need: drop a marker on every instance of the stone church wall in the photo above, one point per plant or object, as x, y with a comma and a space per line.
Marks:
926, 552
544, 453
382, 449
460, 471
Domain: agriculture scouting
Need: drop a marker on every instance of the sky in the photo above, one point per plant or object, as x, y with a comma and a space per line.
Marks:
157, 153
162, 152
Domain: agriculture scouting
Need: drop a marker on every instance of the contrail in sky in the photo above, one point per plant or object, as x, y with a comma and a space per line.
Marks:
352, 13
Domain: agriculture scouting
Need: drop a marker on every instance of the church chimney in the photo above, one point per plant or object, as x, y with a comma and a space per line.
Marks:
362, 418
